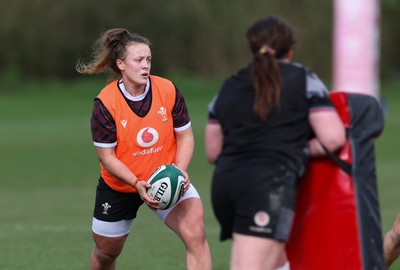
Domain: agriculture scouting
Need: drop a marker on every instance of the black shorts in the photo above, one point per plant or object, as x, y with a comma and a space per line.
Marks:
256, 200
111, 205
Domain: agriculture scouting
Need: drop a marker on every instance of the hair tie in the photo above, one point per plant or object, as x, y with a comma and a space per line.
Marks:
266, 49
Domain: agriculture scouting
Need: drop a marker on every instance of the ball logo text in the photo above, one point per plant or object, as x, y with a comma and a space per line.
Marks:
161, 190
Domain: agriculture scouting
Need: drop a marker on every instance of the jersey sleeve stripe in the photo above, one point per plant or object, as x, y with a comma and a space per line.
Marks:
183, 127
105, 145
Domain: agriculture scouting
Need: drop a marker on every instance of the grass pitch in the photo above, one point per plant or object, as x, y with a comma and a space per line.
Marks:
49, 173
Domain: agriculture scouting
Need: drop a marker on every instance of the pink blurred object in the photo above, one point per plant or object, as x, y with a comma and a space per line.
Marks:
356, 46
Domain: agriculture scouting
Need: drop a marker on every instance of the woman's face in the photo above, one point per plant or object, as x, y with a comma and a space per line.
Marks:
135, 68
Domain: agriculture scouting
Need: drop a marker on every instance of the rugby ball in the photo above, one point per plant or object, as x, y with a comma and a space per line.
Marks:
167, 183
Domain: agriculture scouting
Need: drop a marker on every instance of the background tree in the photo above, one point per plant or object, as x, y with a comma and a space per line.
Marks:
44, 38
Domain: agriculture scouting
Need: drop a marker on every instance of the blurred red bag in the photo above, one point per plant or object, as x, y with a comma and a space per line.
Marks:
337, 224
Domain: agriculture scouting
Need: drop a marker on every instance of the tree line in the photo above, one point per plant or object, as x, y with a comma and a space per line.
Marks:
45, 38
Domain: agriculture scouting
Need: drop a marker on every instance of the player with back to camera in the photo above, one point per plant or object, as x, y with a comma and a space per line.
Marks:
139, 122
264, 124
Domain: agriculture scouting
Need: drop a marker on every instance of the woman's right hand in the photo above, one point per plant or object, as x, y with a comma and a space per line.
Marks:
142, 187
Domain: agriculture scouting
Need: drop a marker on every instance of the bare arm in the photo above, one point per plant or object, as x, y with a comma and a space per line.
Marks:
184, 152
329, 131
213, 140
391, 244
185, 148
114, 166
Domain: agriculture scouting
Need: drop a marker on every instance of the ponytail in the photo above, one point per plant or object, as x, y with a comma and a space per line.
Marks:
107, 49
269, 39
267, 84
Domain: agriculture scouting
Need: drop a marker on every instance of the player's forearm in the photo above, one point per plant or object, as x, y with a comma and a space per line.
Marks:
391, 247
185, 149
184, 156
316, 149
114, 166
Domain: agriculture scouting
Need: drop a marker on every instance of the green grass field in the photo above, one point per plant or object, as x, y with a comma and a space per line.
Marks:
49, 172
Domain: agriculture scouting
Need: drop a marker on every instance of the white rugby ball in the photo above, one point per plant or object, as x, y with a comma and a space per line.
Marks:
167, 183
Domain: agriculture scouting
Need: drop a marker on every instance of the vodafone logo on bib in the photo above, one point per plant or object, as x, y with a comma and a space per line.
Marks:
147, 137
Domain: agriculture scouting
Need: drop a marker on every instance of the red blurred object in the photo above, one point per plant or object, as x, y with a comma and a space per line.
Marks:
337, 223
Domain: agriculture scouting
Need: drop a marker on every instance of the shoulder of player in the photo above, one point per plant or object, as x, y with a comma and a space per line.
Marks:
160, 80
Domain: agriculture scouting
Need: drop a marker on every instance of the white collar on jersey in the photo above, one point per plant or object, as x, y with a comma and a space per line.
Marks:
129, 96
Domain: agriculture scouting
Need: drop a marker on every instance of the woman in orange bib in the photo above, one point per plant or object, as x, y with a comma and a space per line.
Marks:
139, 122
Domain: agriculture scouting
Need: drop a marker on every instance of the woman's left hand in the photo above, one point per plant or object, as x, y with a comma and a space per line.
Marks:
187, 182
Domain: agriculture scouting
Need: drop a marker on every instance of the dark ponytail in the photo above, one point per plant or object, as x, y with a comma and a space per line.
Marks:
269, 39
